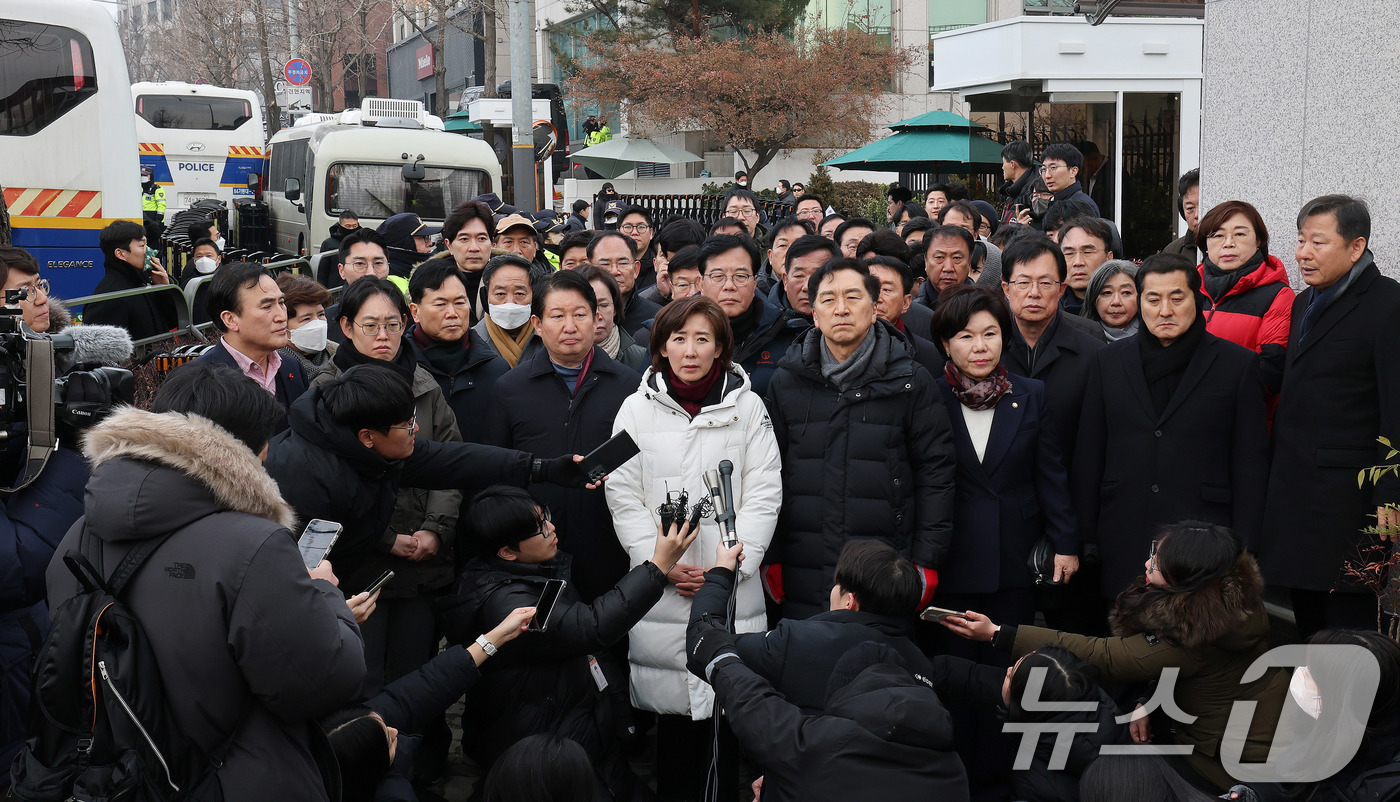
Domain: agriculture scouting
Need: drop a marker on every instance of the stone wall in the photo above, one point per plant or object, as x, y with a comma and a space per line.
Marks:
1302, 98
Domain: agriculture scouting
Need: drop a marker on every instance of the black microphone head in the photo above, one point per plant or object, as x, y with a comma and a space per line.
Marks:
726, 467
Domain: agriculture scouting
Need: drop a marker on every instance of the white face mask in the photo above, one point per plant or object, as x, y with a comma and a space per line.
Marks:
220, 242
310, 338
205, 265
1305, 697
509, 316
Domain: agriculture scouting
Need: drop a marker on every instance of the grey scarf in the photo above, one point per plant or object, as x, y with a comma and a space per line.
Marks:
1114, 335
845, 375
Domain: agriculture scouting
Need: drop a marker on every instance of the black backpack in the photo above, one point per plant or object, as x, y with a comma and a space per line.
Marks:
99, 727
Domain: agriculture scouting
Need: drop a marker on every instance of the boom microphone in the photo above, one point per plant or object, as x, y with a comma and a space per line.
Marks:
727, 517
98, 345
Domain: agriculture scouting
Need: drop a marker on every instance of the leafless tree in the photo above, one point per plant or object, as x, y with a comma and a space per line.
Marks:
340, 33
476, 18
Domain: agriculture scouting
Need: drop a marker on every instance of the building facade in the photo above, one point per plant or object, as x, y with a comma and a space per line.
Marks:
1282, 106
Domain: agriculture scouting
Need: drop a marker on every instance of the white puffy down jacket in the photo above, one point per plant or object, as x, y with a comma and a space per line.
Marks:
676, 450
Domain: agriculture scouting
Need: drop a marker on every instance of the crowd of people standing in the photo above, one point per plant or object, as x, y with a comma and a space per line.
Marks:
1076, 466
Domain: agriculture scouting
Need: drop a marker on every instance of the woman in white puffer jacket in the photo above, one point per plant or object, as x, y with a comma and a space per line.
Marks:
692, 409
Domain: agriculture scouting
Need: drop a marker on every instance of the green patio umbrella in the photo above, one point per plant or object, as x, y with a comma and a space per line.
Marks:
936, 142
623, 154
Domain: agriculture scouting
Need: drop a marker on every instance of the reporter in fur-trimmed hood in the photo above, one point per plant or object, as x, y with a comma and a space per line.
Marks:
1199, 608
245, 639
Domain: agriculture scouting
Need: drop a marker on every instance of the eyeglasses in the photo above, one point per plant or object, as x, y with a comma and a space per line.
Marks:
545, 521
740, 280
32, 290
410, 426
374, 327
634, 228
746, 212
360, 265
1152, 556
1024, 284
1046, 169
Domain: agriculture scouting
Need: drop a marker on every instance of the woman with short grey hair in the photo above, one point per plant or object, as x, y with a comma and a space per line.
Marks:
1113, 290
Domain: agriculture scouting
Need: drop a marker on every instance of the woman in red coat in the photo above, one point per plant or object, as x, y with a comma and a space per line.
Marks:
1249, 300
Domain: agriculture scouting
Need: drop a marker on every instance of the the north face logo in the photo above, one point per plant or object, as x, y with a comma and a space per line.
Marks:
180, 571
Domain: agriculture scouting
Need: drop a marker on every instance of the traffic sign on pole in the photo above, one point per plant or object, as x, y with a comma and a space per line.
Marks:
298, 72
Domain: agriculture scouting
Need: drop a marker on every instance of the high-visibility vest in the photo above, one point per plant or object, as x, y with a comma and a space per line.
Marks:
603, 134
153, 201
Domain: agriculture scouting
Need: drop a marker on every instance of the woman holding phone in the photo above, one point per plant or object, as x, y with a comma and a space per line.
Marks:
692, 410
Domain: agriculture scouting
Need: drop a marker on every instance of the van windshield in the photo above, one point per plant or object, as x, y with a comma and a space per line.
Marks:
379, 190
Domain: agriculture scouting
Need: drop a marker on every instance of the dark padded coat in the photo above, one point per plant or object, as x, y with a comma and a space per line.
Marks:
763, 350
410, 703
143, 315
1339, 394
531, 410
885, 738
979, 686
243, 637
1204, 458
876, 461
798, 657
32, 524
541, 681
325, 472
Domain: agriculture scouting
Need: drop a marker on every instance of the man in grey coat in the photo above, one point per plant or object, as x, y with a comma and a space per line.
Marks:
248, 644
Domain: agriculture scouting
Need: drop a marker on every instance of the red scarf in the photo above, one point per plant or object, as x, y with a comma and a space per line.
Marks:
692, 396
977, 395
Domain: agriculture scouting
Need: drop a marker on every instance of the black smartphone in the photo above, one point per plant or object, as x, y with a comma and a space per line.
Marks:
316, 541
545, 605
610, 456
383, 580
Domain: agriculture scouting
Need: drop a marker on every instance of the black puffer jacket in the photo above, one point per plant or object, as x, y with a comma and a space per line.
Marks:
410, 703
325, 472
541, 681
978, 686
244, 639
141, 315
885, 738
799, 657
876, 461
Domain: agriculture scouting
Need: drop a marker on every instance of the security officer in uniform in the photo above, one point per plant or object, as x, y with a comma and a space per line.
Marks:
601, 135
152, 205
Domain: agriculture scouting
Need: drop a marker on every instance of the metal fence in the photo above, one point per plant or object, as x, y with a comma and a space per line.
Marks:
703, 209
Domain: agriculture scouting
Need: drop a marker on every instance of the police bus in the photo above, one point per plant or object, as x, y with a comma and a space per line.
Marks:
67, 135
200, 141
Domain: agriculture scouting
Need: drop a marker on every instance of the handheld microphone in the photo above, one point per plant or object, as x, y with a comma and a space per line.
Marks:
726, 470
712, 483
